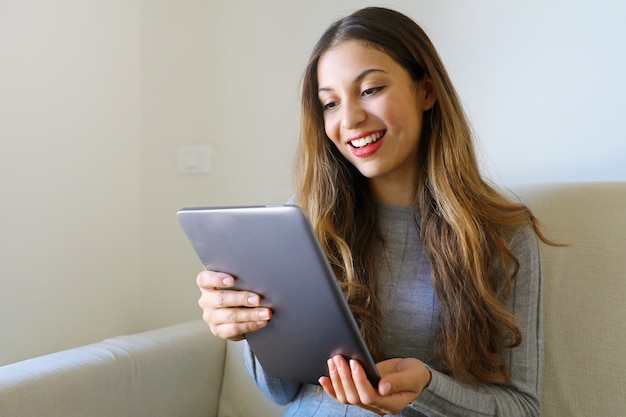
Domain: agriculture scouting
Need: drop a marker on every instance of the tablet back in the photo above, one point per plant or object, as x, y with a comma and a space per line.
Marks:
274, 252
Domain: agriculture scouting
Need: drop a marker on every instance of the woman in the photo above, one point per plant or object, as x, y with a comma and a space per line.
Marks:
441, 271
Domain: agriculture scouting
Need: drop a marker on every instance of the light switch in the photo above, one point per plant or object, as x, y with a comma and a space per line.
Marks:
194, 160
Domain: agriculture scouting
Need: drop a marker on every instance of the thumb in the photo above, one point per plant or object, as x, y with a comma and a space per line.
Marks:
409, 375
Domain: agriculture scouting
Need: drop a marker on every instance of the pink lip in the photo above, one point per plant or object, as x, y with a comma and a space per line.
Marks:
367, 150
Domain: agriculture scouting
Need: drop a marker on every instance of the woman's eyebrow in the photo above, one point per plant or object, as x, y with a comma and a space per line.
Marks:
357, 79
366, 73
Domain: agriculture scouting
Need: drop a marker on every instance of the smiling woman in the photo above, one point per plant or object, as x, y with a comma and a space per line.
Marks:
441, 271
373, 112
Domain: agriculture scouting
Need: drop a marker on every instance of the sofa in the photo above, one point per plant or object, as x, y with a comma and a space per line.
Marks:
183, 371
175, 371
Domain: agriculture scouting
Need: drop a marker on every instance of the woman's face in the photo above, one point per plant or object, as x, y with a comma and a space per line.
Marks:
373, 113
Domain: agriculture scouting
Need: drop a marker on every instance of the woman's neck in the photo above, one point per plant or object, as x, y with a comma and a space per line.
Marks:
393, 192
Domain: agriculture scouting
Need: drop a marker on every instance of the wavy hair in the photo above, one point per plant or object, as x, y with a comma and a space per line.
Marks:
464, 221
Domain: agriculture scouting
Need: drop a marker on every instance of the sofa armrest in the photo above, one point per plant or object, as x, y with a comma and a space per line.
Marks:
172, 371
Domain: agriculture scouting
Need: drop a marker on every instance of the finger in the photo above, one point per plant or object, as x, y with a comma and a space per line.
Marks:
327, 385
335, 379
236, 331
213, 298
407, 375
237, 315
347, 383
370, 398
234, 323
366, 392
213, 279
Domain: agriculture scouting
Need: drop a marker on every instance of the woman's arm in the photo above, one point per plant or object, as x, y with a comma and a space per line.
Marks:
278, 390
447, 397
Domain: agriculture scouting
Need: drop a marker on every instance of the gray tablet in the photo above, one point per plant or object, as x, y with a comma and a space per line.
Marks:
273, 251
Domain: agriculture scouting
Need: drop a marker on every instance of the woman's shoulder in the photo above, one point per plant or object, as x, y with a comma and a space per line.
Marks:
523, 236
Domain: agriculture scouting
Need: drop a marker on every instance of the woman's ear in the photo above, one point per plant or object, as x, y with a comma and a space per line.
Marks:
427, 88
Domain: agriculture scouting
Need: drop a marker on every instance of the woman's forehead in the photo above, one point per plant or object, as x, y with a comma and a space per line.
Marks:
349, 60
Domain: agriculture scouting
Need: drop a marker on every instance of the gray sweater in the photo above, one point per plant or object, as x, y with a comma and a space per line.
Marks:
410, 319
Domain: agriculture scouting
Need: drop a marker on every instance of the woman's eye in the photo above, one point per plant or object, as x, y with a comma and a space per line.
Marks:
371, 91
329, 106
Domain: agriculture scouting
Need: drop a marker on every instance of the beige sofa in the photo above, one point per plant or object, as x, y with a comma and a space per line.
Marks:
183, 371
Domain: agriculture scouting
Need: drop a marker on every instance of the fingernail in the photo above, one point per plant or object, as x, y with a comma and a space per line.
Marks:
384, 388
253, 300
264, 314
331, 365
228, 281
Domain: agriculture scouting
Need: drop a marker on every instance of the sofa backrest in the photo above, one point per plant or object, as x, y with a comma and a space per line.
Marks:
584, 297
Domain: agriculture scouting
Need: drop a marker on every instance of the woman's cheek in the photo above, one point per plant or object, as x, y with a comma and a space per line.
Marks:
331, 126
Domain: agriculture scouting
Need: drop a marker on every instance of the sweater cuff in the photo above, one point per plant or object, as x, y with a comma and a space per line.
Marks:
445, 395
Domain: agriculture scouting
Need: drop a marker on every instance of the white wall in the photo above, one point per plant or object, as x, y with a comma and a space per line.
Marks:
543, 82
70, 109
96, 97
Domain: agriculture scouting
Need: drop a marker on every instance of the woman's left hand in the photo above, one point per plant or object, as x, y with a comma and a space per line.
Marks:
402, 381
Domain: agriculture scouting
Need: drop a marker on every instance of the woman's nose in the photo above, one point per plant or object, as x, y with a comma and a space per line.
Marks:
352, 114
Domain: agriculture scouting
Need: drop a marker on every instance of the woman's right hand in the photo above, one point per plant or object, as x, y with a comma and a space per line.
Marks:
229, 313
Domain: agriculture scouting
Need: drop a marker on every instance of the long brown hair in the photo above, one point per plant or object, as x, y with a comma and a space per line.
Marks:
464, 221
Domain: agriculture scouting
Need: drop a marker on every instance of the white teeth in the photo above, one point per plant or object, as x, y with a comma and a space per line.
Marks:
359, 143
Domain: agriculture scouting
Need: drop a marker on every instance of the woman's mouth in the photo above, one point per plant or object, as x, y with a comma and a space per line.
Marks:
367, 145
366, 140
